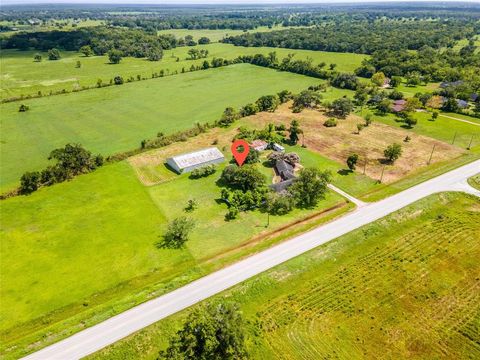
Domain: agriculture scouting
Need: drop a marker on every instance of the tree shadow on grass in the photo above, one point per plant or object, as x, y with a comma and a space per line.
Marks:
344, 172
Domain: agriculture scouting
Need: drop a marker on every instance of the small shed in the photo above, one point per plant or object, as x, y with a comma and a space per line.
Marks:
278, 147
187, 162
259, 145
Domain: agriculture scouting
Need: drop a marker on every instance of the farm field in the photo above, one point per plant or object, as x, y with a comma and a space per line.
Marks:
405, 285
217, 35
57, 243
117, 118
21, 75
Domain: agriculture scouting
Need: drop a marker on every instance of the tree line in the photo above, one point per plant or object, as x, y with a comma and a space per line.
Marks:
364, 37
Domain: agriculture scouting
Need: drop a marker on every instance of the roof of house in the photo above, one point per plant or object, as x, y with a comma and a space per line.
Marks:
474, 97
462, 103
197, 157
258, 143
400, 102
281, 186
284, 169
451, 83
398, 108
278, 146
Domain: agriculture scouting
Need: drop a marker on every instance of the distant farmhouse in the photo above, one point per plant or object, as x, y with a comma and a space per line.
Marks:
399, 105
187, 162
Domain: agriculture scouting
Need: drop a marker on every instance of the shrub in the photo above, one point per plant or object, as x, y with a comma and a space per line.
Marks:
118, 80
191, 205
23, 108
352, 161
332, 122
53, 54
203, 171
29, 182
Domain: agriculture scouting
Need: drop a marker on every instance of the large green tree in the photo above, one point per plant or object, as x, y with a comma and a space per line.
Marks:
310, 187
211, 332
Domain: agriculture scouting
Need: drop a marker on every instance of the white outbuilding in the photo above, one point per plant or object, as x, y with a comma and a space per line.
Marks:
278, 147
194, 160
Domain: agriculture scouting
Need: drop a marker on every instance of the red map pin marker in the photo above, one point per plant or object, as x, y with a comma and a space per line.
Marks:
240, 156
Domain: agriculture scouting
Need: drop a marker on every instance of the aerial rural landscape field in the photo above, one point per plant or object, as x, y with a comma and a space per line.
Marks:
240, 181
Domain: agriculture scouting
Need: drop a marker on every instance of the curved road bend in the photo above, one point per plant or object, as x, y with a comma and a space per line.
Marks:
108, 332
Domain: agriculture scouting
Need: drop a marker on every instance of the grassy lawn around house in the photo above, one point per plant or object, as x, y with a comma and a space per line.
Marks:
405, 285
21, 75
117, 118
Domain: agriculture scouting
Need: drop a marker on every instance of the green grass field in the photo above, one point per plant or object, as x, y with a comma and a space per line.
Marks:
406, 286
117, 118
57, 244
21, 75
217, 35
444, 129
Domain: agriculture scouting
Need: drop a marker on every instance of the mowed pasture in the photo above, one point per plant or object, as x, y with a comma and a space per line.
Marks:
406, 286
58, 272
21, 75
118, 118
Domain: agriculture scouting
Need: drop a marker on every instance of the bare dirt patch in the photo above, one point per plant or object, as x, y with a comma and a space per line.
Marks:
339, 142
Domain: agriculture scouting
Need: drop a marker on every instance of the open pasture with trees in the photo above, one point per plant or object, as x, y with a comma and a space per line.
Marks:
444, 128
345, 139
22, 75
117, 118
407, 282
58, 244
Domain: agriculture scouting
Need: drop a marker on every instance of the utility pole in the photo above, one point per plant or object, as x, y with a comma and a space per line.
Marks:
431, 154
365, 165
454, 137
383, 170
268, 219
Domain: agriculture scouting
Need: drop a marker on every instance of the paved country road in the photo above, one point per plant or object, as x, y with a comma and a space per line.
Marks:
97, 337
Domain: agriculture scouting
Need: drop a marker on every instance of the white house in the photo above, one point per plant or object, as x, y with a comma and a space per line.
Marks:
193, 160
278, 147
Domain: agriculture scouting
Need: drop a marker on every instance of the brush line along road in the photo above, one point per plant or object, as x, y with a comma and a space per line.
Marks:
108, 332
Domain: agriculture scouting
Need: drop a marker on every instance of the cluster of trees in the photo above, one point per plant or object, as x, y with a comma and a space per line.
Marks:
363, 36
194, 54
426, 65
303, 67
245, 189
71, 160
215, 330
101, 40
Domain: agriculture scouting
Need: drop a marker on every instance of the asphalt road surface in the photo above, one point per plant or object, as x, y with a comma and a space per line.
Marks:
108, 332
